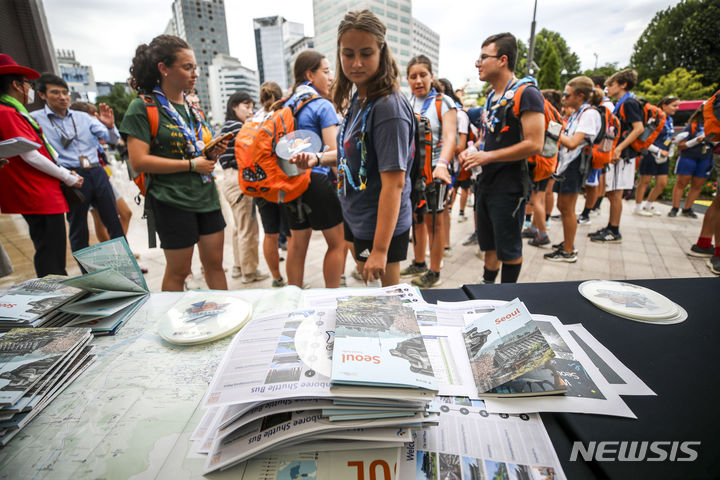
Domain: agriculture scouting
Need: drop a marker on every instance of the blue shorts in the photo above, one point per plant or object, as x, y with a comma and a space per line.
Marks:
593, 179
648, 166
499, 224
570, 181
696, 167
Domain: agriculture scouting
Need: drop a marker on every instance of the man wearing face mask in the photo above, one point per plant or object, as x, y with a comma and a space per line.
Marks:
30, 182
72, 134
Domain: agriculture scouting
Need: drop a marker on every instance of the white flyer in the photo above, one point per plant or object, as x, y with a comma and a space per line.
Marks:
622, 379
327, 298
587, 389
451, 314
470, 443
448, 358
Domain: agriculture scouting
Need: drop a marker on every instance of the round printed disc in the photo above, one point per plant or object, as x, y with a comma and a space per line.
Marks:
298, 141
680, 317
628, 300
204, 317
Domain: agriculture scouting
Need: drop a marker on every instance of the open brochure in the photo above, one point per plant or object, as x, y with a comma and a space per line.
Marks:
503, 345
27, 304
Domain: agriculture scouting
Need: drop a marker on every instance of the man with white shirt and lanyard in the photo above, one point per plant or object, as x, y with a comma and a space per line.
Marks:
502, 186
72, 133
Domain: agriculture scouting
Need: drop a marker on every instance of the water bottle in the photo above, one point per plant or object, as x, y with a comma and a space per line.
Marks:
475, 171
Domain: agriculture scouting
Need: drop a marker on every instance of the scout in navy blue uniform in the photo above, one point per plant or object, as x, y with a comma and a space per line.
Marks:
693, 165
501, 186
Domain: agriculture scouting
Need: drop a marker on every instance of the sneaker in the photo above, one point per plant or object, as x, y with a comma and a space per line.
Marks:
642, 212
447, 252
255, 277
283, 246
356, 275
584, 220
539, 240
343, 282
236, 272
561, 246
555, 218
689, 213
653, 211
701, 252
428, 280
561, 256
597, 232
413, 270
471, 240
530, 232
595, 211
278, 282
713, 264
673, 212
527, 224
462, 218
606, 236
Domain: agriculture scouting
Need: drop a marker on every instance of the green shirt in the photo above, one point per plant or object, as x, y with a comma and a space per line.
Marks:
184, 190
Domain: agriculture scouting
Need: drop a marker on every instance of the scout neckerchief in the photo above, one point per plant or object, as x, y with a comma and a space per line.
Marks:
193, 134
668, 130
490, 119
621, 101
14, 103
344, 175
575, 117
428, 100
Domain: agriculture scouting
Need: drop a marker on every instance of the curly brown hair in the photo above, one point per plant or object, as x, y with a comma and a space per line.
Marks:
144, 74
386, 79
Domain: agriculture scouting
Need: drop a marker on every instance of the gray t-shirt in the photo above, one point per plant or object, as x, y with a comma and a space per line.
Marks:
435, 123
389, 139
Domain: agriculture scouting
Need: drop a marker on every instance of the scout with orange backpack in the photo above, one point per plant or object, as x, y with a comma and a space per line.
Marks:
711, 117
423, 186
259, 173
607, 139
653, 120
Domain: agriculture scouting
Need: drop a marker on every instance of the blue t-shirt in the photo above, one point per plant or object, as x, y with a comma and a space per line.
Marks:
389, 137
315, 116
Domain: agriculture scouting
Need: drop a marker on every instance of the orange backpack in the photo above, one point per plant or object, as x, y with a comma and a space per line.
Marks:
546, 162
653, 120
711, 117
421, 171
259, 173
466, 174
607, 139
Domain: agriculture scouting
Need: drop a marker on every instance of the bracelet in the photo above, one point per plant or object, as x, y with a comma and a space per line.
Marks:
189, 165
444, 163
319, 155
193, 165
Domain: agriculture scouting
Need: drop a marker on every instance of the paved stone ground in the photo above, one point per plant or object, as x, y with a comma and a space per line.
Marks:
652, 247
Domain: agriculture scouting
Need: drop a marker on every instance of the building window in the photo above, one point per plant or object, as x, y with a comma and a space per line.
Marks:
405, 31
390, 3
392, 15
392, 26
405, 20
405, 41
404, 53
377, 10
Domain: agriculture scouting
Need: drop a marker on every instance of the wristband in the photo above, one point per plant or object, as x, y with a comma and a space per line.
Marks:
193, 165
319, 155
444, 163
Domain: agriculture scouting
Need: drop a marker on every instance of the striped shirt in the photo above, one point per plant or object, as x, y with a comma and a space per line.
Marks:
227, 159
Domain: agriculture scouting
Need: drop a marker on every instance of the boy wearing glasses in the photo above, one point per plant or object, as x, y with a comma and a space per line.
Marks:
502, 186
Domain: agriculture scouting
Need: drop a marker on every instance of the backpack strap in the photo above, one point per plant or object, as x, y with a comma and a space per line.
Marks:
152, 113
438, 107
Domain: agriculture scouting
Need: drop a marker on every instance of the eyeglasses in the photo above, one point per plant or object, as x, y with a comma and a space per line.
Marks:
484, 57
566, 95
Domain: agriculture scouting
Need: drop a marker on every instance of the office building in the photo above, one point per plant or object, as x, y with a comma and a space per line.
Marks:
274, 37
201, 23
426, 42
80, 78
227, 76
24, 35
405, 35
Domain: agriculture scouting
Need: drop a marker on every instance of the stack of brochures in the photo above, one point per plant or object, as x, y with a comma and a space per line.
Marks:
36, 364
355, 377
102, 299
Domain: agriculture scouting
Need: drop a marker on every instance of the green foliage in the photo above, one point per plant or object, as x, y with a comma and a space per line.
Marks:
549, 75
608, 69
568, 59
685, 35
119, 100
521, 64
681, 83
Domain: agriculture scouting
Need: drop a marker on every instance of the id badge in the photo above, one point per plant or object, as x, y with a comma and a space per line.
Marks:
84, 161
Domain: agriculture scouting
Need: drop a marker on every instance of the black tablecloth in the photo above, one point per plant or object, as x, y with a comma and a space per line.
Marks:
676, 361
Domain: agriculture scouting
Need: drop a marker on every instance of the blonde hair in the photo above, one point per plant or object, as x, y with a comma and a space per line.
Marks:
385, 81
585, 86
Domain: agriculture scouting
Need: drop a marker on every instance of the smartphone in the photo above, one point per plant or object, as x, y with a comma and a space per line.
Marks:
216, 140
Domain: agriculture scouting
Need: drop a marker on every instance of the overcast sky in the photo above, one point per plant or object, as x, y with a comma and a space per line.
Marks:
105, 33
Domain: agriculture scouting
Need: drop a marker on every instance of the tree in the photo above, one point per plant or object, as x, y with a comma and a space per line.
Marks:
549, 75
608, 69
568, 59
684, 35
118, 100
520, 65
680, 83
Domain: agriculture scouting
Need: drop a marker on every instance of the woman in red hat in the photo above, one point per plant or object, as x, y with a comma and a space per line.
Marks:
29, 182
